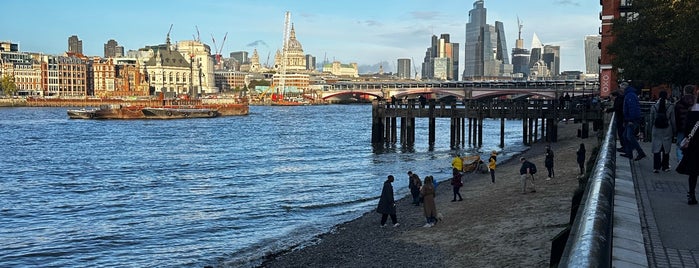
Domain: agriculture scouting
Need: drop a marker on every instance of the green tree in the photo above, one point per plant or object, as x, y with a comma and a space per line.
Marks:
658, 44
7, 83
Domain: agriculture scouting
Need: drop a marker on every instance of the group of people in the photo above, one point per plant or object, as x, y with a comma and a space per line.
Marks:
422, 194
668, 120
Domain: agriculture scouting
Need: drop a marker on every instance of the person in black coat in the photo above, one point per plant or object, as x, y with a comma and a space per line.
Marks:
581, 158
688, 164
387, 205
618, 110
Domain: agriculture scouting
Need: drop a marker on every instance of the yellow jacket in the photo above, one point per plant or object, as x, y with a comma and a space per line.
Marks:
457, 163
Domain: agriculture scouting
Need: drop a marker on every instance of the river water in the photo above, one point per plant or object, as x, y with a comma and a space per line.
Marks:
198, 192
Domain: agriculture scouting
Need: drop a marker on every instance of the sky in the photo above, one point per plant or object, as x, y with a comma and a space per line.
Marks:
359, 31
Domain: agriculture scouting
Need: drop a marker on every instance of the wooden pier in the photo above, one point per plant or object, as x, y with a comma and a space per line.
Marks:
467, 119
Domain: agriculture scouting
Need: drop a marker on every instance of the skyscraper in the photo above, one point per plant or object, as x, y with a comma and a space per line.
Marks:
485, 47
552, 59
441, 59
112, 49
520, 56
592, 53
75, 45
403, 68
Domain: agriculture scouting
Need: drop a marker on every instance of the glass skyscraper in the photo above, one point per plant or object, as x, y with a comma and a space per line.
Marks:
485, 47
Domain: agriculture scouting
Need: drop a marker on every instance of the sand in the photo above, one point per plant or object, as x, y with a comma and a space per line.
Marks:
495, 226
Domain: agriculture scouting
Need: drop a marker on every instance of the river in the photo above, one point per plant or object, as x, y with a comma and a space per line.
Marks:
198, 192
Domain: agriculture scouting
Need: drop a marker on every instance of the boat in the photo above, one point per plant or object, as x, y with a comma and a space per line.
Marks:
82, 113
178, 113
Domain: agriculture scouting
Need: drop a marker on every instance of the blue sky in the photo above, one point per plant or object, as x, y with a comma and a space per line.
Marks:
365, 32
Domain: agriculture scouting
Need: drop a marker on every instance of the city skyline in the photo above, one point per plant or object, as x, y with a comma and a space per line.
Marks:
358, 31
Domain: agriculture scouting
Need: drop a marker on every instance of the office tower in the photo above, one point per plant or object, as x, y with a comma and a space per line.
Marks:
520, 56
441, 59
240, 56
310, 62
75, 45
112, 49
552, 58
485, 47
592, 53
404, 69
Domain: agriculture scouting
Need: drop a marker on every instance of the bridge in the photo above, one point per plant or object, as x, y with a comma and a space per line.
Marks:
458, 90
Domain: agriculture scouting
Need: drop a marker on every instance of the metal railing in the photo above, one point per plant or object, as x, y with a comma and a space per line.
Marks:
590, 241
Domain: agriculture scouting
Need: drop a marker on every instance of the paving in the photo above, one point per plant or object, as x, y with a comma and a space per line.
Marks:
660, 219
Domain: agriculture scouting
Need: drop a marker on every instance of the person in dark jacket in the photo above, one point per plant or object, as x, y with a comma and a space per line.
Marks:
387, 205
618, 110
690, 158
456, 184
682, 107
525, 174
548, 162
632, 121
414, 184
581, 158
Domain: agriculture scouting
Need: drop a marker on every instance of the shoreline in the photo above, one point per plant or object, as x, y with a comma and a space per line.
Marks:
509, 228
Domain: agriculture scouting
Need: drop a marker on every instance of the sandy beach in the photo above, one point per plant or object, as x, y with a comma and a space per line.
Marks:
495, 226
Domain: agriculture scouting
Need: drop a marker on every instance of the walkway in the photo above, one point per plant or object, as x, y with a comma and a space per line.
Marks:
669, 227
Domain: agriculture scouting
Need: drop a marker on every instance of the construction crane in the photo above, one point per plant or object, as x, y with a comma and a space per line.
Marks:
218, 49
197, 37
167, 39
414, 67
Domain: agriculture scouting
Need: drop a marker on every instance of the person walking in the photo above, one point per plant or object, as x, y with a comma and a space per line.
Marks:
581, 158
387, 205
690, 155
526, 173
414, 185
632, 121
456, 184
457, 163
618, 110
548, 162
430, 208
682, 107
663, 122
491, 165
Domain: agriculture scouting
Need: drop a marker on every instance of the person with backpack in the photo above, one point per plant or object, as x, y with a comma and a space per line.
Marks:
526, 172
663, 122
682, 107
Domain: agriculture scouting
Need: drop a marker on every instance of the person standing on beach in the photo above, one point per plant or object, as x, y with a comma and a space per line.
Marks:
387, 205
414, 184
682, 107
690, 155
456, 184
632, 121
429, 207
457, 163
581, 158
548, 162
491, 165
525, 173
663, 122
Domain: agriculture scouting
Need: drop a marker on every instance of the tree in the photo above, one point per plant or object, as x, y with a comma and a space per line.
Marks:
658, 44
7, 83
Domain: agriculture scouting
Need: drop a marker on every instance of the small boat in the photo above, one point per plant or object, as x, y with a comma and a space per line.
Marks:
178, 113
82, 113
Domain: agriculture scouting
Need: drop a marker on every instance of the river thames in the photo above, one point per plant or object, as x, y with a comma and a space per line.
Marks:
197, 192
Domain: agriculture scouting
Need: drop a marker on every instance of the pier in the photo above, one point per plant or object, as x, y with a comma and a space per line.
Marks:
467, 119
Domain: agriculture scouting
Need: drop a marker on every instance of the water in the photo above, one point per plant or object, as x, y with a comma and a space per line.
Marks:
190, 193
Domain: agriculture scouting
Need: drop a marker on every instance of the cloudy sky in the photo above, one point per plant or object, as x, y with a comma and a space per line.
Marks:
365, 32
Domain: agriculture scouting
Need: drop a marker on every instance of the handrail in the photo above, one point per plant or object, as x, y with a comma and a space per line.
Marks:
590, 241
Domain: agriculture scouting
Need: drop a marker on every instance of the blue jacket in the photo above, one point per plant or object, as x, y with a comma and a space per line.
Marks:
632, 106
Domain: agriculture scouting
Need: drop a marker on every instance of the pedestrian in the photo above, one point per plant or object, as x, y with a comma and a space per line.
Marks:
491, 165
548, 162
663, 122
618, 110
526, 173
682, 107
632, 121
430, 208
581, 158
457, 162
387, 205
690, 155
456, 184
414, 184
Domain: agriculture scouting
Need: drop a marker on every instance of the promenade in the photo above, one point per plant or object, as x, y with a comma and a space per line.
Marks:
669, 228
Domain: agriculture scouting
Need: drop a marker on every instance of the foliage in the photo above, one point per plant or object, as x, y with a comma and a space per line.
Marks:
255, 83
8, 86
660, 44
